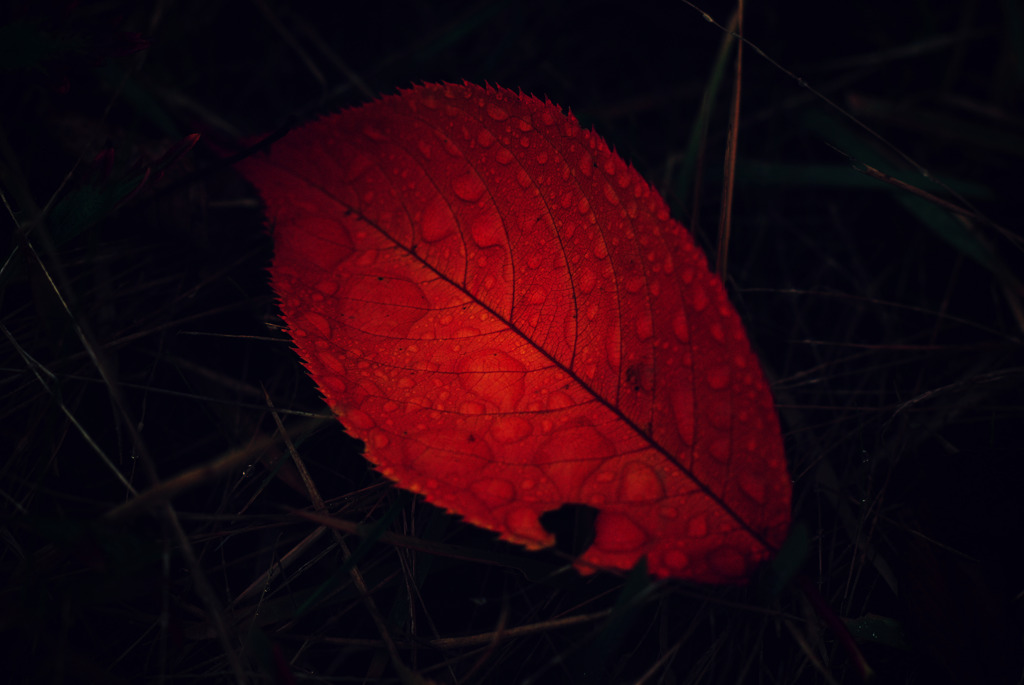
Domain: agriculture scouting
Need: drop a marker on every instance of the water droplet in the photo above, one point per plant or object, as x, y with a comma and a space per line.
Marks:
332, 363
718, 377
524, 528
676, 561
503, 156
559, 400
610, 194
328, 286
586, 164
583, 205
510, 429
634, 284
542, 158
315, 324
366, 258
451, 148
640, 483
644, 325
471, 408
469, 187
485, 138
587, 280
487, 232
523, 179
424, 147
680, 326
618, 533
494, 376
698, 298
496, 113
437, 222
360, 420
493, 492
600, 248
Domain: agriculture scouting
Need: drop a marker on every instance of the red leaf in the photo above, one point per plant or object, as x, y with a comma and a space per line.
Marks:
504, 312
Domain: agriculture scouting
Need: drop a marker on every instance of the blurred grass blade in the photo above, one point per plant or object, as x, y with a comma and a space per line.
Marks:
938, 221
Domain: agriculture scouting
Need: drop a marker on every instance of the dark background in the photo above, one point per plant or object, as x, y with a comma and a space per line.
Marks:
890, 330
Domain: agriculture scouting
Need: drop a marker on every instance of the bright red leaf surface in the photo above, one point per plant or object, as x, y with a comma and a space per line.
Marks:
503, 310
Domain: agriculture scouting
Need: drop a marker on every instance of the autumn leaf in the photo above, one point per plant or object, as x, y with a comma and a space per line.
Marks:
504, 312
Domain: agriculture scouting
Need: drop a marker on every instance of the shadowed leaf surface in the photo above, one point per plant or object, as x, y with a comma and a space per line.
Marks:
505, 313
